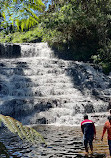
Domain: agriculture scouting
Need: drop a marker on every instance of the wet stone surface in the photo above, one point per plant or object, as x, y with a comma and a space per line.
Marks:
65, 142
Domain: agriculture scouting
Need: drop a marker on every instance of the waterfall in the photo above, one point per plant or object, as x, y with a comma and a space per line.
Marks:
38, 88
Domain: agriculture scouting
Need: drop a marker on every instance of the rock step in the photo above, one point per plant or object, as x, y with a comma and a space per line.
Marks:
39, 91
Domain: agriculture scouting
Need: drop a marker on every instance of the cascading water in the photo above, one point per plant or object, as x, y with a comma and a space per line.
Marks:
36, 87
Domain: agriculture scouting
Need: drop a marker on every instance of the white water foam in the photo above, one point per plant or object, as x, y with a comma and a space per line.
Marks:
45, 89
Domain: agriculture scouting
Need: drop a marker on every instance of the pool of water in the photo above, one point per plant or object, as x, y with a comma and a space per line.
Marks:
63, 141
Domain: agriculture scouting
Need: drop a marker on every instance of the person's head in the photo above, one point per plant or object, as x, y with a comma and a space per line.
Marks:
109, 118
85, 117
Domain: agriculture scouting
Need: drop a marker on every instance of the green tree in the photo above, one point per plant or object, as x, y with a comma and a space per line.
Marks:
80, 28
22, 13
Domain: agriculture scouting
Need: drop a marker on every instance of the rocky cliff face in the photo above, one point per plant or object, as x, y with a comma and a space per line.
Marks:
10, 50
36, 87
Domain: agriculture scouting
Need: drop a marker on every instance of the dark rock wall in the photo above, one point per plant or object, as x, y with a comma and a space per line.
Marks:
10, 51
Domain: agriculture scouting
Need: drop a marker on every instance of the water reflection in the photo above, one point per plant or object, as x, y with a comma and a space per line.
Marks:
92, 156
65, 142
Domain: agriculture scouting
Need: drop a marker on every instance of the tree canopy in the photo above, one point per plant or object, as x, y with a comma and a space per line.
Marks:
21, 13
77, 29
81, 29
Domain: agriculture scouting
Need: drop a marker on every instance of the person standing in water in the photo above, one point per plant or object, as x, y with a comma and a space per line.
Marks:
89, 133
107, 126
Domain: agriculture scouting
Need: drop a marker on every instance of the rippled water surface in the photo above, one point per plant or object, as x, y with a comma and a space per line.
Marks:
61, 141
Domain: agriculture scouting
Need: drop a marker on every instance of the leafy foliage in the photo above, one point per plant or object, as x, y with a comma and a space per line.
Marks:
21, 13
78, 30
23, 132
34, 35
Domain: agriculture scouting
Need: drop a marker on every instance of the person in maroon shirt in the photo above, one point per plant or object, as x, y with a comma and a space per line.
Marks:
89, 133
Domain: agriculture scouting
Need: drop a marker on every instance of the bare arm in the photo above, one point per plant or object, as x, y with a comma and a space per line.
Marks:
94, 131
104, 130
82, 129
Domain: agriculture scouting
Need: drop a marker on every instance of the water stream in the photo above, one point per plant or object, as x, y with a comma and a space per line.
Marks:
38, 88
62, 141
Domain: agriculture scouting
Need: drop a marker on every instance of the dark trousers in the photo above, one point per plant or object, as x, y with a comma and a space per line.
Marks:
109, 143
88, 140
